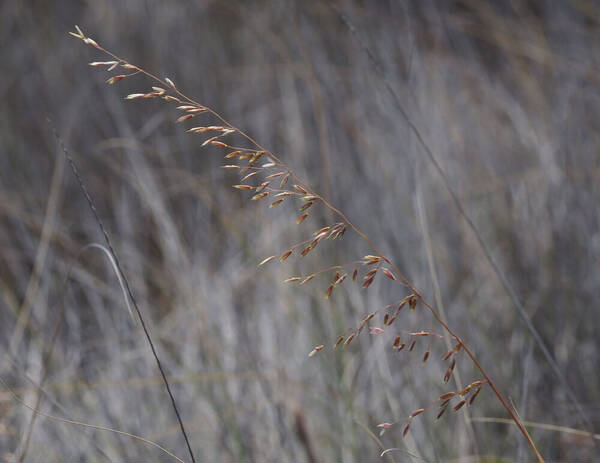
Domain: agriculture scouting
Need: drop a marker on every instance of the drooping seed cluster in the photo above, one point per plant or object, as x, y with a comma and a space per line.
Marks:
264, 176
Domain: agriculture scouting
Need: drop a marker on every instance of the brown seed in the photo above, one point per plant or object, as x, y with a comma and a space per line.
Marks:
232, 154
412, 345
260, 195
306, 206
262, 186
370, 273
448, 354
292, 280
447, 375
322, 230
250, 175
401, 305
426, 356
447, 395
465, 391
388, 273
340, 279
268, 259
459, 405
386, 318
301, 218
412, 303
286, 254
396, 342
368, 282
354, 274
300, 189
339, 341
115, 79
328, 292
406, 428
284, 180
369, 317
307, 279
349, 339
278, 174
402, 346
416, 412
210, 140
185, 117
391, 320
243, 187
315, 350
445, 403
442, 411
275, 203
474, 395
306, 250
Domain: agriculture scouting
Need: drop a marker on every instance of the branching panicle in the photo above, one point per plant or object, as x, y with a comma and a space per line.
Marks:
264, 175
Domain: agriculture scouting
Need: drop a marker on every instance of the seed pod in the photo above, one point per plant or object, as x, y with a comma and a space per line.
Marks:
388, 273
368, 282
426, 356
349, 339
250, 175
315, 350
301, 218
406, 428
300, 189
260, 195
328, 292
459, 405
262, 186
370, 273
412, 303
386, 317
412, 345
292, 280
445, 402
416, 412
474, 395
306, 206
284, 180
355, 274
276, 202
339, 341
447, 395
396, 342
306, 250
442, 411
308, 278
286, 254
268, 259
401, 346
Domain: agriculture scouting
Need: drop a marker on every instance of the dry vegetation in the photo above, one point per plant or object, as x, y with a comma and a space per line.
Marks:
367, 105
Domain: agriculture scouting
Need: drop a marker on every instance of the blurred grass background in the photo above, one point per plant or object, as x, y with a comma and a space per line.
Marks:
504, 92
